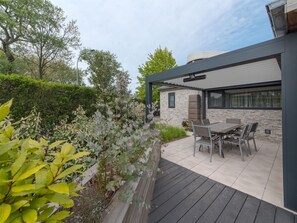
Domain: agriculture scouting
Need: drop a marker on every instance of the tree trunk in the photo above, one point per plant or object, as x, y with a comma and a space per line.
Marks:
9, 56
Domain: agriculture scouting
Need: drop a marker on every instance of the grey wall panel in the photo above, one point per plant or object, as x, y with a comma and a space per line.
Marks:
289, 100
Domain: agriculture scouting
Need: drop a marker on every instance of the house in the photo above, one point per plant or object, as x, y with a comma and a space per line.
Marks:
221, 79
249, 103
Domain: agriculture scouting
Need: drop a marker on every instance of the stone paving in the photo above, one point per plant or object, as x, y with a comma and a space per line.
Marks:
260, 175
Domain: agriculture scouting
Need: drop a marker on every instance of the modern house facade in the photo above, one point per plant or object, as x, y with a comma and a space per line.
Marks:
221, 80
250, 104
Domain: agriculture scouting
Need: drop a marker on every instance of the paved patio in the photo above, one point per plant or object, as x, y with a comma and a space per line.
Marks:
260, 175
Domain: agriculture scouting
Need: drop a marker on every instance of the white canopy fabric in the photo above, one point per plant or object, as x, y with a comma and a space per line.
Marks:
246, 74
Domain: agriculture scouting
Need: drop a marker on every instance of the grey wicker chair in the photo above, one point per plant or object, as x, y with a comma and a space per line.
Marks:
206, 122
203, 137
240, 141
251, 135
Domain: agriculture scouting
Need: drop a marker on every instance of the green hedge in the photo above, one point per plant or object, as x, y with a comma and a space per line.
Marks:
53, 101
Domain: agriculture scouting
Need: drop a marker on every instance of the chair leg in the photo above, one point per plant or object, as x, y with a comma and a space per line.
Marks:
255, 145
250, 151
194, 146
210, 154
240, 148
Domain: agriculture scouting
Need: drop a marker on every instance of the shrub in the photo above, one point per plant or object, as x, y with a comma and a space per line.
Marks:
169, 133
116, 137
32, 176
53, 101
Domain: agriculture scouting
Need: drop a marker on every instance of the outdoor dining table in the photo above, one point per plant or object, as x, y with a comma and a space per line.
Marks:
221, 129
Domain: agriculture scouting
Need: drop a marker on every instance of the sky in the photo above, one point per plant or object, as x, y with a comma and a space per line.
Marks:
132, 29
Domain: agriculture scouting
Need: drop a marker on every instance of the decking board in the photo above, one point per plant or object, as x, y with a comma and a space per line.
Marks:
181, 195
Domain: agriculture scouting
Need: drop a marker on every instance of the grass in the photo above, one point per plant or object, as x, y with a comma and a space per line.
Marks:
169, 133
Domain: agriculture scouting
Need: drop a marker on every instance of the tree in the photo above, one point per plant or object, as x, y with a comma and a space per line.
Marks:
161, 60
50, 40
103, 69
63, 73
16, 18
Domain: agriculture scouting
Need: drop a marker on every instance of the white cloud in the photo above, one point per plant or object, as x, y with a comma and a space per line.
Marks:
131, 29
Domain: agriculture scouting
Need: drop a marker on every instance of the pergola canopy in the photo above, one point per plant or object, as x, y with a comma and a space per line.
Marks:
260, 72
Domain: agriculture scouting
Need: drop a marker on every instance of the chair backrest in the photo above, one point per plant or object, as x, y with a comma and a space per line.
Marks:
233, 120
245, 131
202, 131
196, 122
206, 121
254, 127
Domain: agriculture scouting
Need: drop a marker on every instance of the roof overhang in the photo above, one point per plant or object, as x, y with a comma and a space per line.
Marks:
254, 65
283, 16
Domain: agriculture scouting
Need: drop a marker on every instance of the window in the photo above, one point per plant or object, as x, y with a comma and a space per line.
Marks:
253, 98
171, 100
215, 99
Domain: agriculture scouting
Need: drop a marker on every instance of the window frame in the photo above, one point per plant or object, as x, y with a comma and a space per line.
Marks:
224, 106
170, 95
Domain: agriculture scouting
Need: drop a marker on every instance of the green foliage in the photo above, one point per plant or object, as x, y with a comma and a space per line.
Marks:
54, 102
169, 133
103, 68
32, 176
116, 137
40, 31
160, 61
61, 72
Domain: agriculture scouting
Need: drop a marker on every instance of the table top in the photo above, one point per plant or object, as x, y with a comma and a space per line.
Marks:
222, 127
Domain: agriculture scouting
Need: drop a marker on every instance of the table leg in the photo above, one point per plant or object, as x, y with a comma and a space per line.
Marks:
221, 146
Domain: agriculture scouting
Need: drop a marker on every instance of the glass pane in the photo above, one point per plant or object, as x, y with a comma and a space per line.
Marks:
264, 99
216, 100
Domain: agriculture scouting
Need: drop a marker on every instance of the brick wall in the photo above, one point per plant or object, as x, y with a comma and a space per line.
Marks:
267, 119
175, 116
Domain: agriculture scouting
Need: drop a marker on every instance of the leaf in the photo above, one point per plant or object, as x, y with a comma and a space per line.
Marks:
18, 163
29, 216
43, 142
4, 109
67, 149
76, 156
44, 215
59, 216
22, 188
61, 199
38, 202
30, 144
55, 144
29, 172
5, 147
17, 205
3, 177
61, 188
68, 171
5, 210
43, 177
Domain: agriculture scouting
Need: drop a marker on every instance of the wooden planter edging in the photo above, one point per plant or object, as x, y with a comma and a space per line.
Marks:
136, 210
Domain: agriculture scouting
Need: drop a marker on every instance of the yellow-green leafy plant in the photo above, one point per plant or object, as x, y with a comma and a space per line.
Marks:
32, 176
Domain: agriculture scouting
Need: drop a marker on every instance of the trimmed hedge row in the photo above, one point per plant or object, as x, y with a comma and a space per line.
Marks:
53, 101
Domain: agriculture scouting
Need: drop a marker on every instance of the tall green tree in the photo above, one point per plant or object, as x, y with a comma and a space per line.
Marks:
50, 41
63, 73
159, 61
16, 19
103, 69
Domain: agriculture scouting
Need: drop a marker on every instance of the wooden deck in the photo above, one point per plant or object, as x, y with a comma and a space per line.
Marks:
181, 195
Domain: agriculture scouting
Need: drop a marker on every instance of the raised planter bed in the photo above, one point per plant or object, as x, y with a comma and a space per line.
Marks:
137, 209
